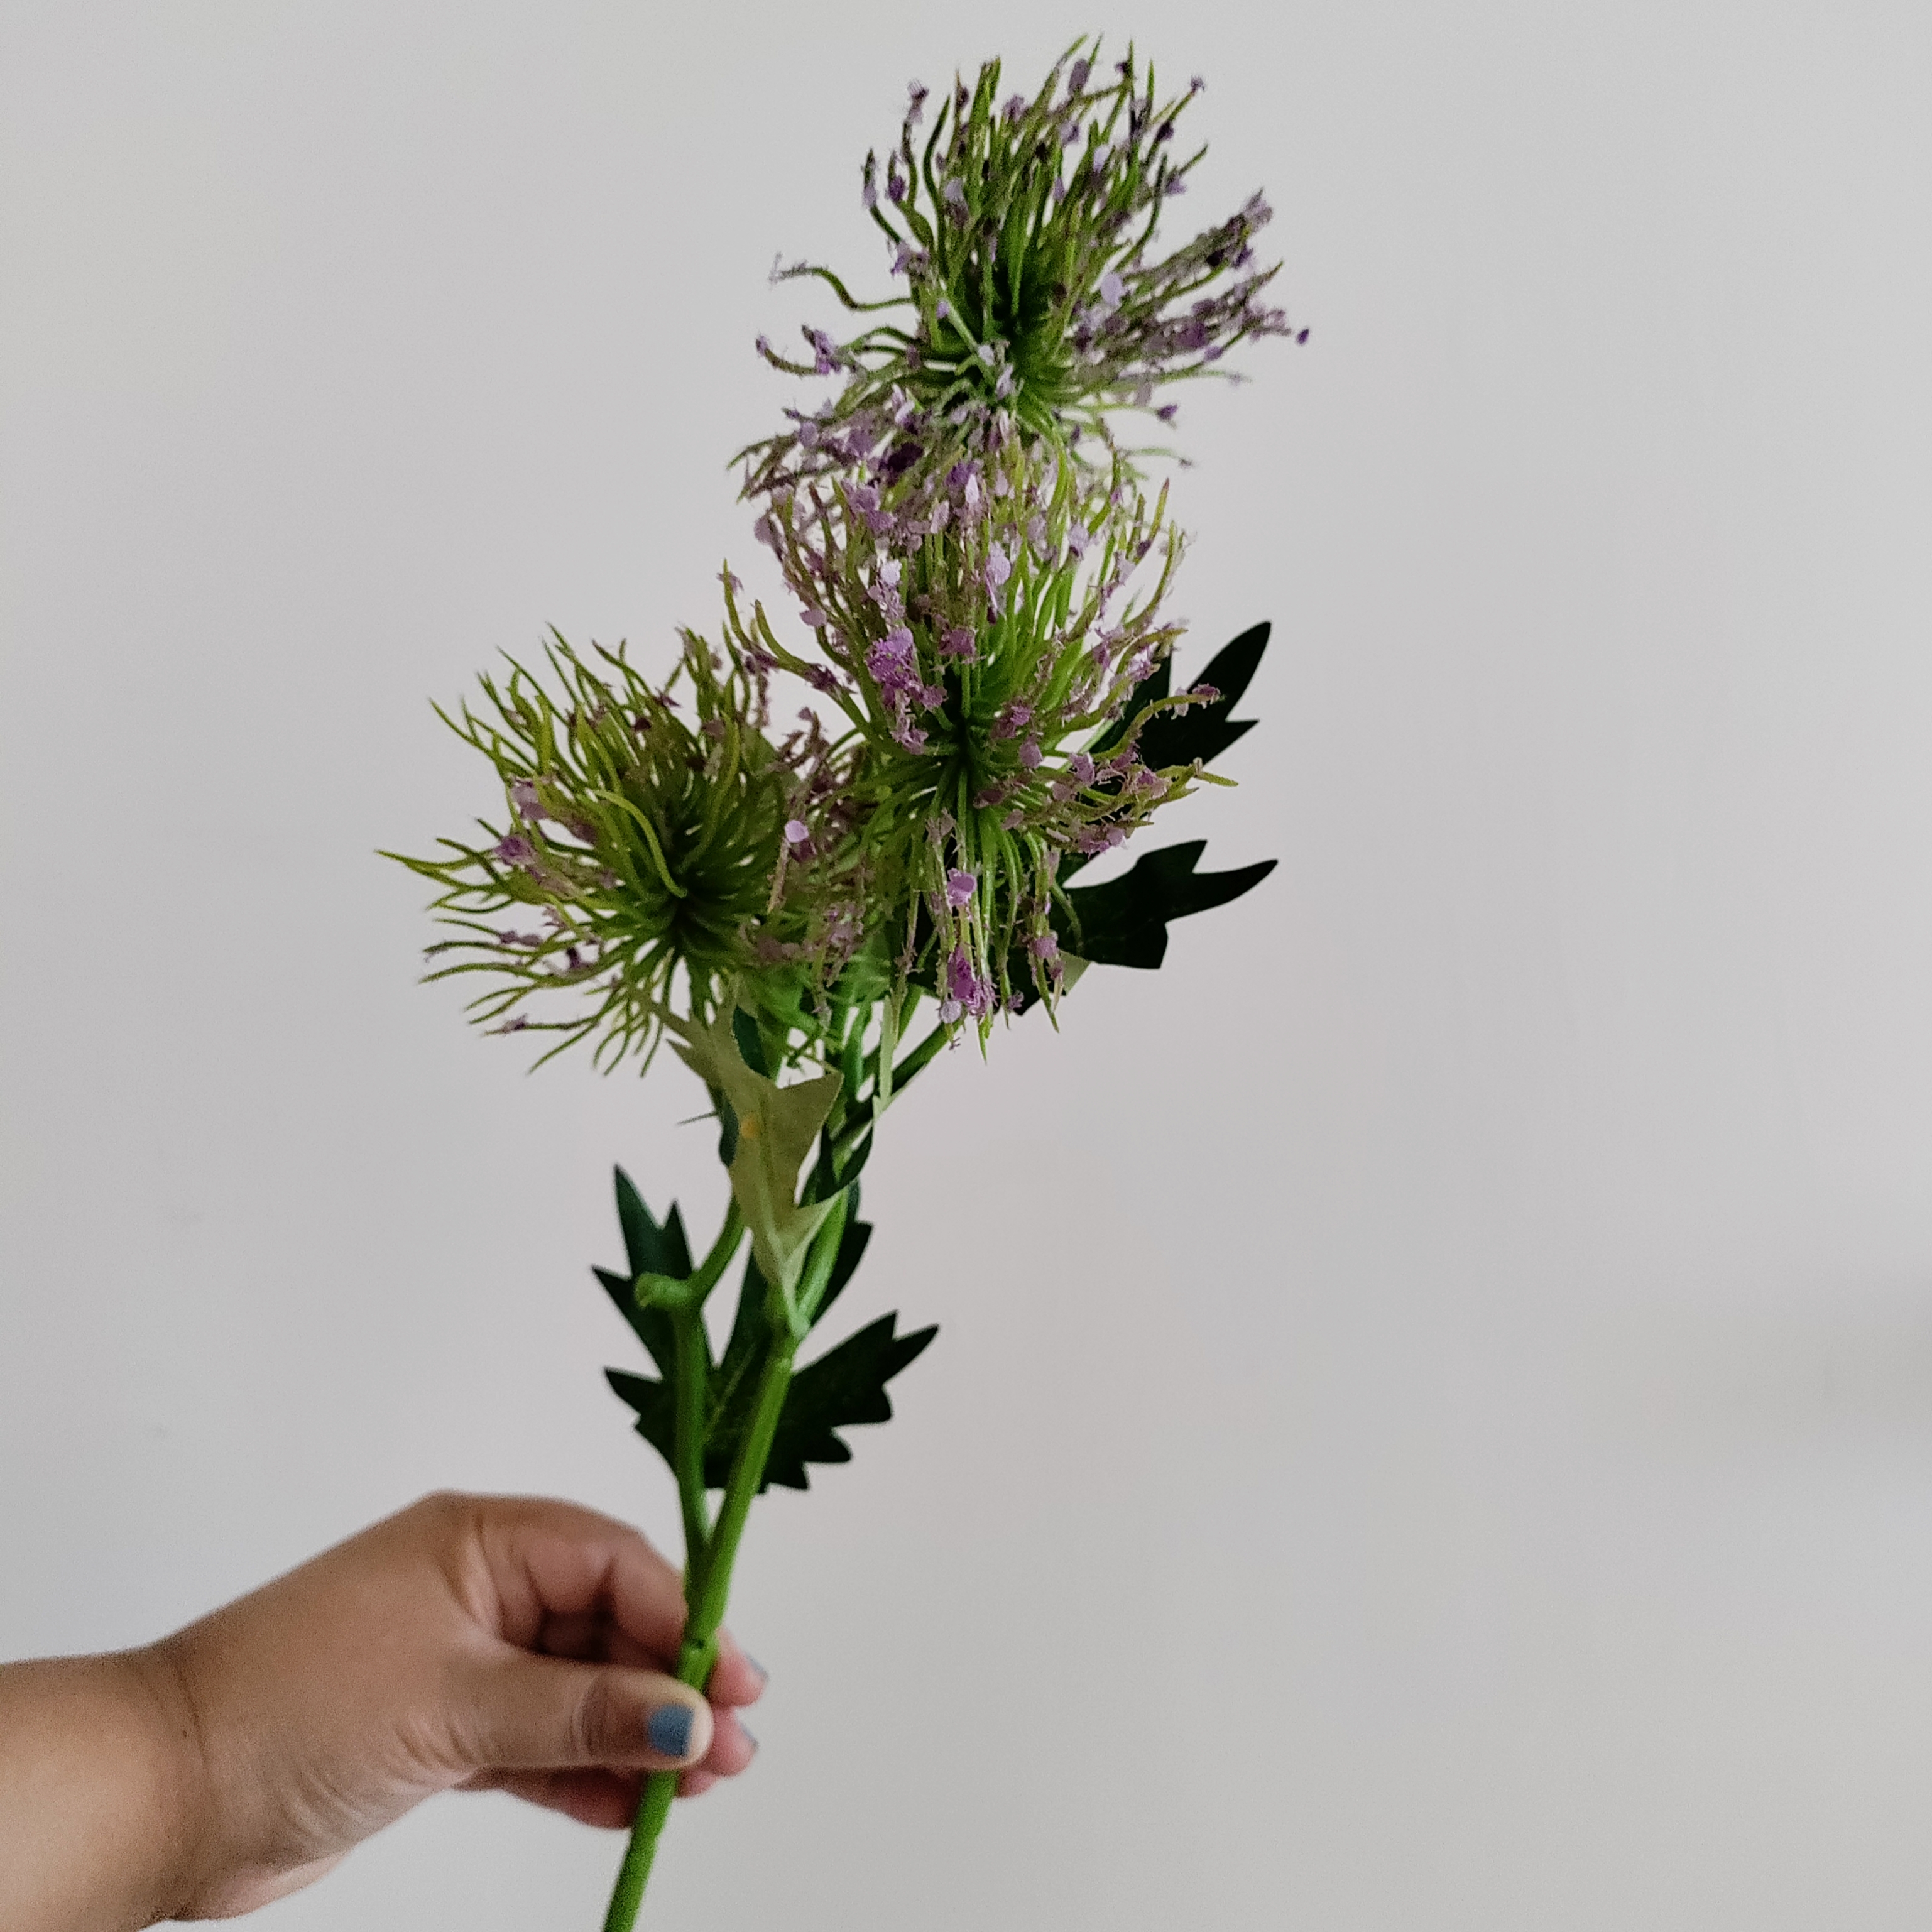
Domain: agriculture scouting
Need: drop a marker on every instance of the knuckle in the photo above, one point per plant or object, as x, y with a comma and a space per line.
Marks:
596, 1722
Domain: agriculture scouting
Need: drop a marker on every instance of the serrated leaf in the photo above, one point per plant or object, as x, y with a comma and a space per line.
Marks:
1124, 921
652, 1326
656, 1409
1205, 731
1151, 690
649, 1249
844, 1388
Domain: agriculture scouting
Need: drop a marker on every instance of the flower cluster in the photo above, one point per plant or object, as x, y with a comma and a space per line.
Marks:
979, 565
1033, 297
981, 643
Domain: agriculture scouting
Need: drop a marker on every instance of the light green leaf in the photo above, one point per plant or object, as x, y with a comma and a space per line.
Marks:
776, 1128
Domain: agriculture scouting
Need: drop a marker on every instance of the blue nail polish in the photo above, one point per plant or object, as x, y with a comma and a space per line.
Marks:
669, 1729
747, 1730
764, 1676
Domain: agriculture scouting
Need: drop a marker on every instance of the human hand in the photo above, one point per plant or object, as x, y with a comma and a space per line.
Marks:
472, 1642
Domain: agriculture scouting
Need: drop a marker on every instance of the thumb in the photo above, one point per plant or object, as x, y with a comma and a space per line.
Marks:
521, 1712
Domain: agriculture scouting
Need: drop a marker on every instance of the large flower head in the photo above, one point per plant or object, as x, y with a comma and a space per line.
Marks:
981, 641
1034, 295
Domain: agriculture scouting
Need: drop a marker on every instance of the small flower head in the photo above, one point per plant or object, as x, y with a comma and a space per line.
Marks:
1037, 303
647, 834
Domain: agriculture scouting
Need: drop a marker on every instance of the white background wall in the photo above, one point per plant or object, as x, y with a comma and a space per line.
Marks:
1433, 1424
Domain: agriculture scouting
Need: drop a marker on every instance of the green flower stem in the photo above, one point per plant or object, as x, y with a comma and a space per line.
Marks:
694, 1362
707, 1588
707, 1574
694, 1375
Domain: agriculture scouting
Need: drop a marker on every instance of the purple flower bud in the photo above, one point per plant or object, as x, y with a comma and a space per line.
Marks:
1015, 108
955, 193
1076, 77
1080, 769
796, 832
523, 797
963, 984
893, 662
916, 95
1176, 185
1078, 537
959, 642
1030, 754
960, 888
1112, 289
1044, 946
516, 851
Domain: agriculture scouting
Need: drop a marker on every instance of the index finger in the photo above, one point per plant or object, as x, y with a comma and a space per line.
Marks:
544, 1558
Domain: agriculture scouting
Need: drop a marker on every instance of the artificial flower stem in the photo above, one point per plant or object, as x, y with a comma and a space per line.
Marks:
707, 1588
694, 1363
707, 1576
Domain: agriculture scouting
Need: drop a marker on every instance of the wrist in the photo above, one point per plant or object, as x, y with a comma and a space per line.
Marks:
101, 1794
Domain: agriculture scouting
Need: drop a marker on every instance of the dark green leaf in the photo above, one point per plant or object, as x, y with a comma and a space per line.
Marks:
657, 1411
1124, 921
652, 1326
1205, 731
1179, 737
845, 1263
751, 1047
643, 1239
1150, 689
843, 1388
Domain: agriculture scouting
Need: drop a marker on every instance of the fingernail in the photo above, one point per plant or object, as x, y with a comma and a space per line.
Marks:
669, 1729
747, 1730
764, 1676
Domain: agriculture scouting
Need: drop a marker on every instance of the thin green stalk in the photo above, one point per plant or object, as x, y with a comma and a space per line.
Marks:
694, 1365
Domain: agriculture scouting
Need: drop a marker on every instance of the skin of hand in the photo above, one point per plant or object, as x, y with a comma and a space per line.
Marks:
469, 1642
